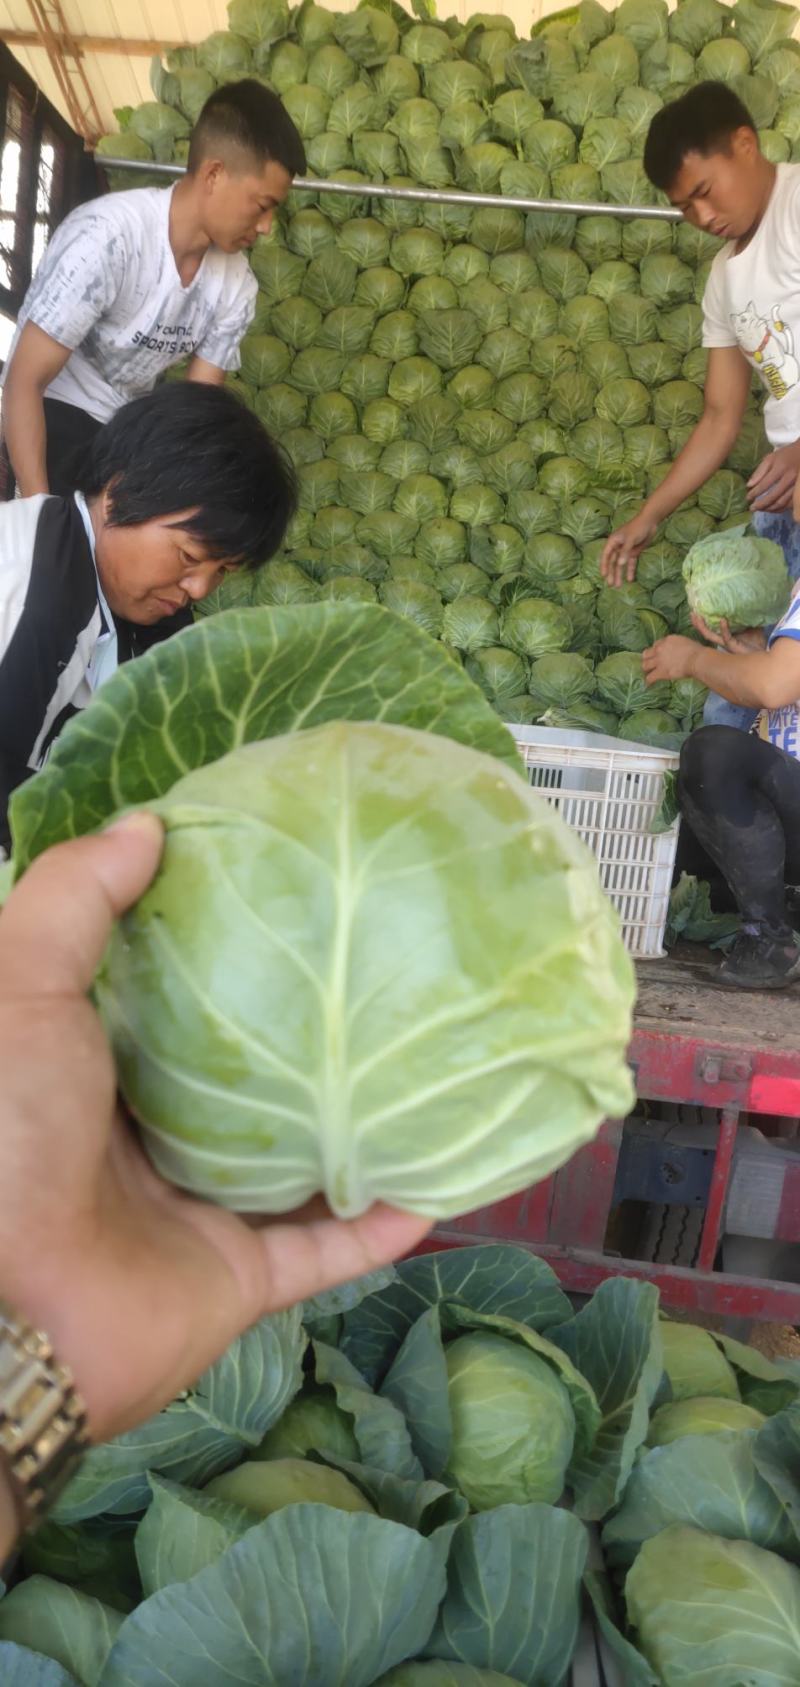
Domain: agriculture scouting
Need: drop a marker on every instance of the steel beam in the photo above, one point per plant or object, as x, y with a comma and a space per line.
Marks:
67, 66
129, 46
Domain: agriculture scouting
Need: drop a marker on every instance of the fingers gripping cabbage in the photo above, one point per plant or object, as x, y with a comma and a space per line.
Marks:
317, 994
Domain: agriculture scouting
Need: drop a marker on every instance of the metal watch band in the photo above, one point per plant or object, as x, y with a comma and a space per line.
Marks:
42, 1418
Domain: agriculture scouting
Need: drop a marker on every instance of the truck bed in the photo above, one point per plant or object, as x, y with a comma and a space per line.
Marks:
681, 994
697, 1040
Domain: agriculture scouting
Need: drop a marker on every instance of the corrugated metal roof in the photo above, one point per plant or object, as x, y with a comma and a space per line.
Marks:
115, 78
122, 78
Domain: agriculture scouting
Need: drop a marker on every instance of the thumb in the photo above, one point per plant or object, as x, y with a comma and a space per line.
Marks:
55, 925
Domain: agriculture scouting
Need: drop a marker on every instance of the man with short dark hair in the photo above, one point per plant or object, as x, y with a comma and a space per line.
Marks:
703, 151
180, 487
135, 282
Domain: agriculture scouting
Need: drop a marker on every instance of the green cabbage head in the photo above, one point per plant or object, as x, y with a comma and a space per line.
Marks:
312, 1422
315, 993
695, 1364
736, 577
701, 1415
267, 1486
707, 1609
513, 1423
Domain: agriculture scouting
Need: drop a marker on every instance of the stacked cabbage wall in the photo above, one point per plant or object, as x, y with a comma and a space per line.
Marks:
474, 397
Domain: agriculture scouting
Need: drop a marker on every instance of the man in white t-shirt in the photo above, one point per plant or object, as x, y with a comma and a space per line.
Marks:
703, 151
134, 282
741, 793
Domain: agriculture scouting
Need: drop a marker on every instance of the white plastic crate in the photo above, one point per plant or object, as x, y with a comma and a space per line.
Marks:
610, 791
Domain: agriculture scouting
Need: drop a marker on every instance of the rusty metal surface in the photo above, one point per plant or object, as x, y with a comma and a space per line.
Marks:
717, 1195
696, 1040
581, 1271
583, 1191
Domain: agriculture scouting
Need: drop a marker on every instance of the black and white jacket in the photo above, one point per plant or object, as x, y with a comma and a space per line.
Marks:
52, 623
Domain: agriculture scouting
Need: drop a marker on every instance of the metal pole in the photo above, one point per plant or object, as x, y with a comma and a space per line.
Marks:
428, 195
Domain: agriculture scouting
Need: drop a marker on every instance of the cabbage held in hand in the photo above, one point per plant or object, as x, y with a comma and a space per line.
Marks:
373, 964
738, 578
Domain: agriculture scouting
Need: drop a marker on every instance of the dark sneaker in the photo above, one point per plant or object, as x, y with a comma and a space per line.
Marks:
762, 958
793, 905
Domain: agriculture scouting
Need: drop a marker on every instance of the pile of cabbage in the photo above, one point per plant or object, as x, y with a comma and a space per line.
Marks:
474, 398
441, 1476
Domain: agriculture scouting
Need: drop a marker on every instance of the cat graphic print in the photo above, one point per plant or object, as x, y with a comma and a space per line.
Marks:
769, 345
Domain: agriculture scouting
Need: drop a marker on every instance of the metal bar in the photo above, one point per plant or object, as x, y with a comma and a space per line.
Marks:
583, 1191
675, 1066
768, 1092
128, 45
524, 1217
67, 67
720, 1178
787, 1219
716, 1292
429, 195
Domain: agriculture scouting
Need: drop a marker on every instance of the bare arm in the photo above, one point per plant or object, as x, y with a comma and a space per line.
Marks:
756, 679
727, 386
726, 390
201, 370
36, 362
767, 679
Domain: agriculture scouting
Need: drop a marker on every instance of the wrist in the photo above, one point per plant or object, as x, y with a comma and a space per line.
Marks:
42, 1427
653, 515
694, 660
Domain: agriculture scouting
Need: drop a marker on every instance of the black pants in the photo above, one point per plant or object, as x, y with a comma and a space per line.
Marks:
69, 432
741, 798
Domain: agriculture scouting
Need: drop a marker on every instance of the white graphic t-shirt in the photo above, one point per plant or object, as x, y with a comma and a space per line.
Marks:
108, 288
783, 725
752, 300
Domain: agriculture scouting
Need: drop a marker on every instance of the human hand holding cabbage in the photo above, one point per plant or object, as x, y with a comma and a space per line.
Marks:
139, 1286
313, 997
675, 657
670, 658
741, 643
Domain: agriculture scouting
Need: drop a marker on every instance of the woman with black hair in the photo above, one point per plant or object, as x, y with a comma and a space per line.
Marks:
178, 488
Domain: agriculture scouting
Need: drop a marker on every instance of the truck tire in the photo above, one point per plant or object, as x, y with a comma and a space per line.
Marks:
671, 1234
